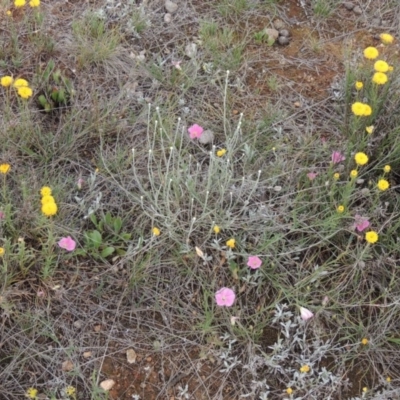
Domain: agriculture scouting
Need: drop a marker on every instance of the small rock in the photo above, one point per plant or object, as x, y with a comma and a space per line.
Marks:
167, 18
131, 356
357, 10
191, 50
87, 354
279, 24
284, 32
206, 137
67, 366
107, 384
272, 33
376, 21
283, 40
348, 5
170, 6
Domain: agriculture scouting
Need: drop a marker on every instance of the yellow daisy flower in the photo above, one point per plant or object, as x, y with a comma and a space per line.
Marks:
381, 66
19, 3
371, 53
359, 85
156, 231
49, 209
45, 191
20, 83
221, 153
4, 168
305, 368
231, 243
387, 168
371, 237
216, 229
383, 184
361, 158
386, 38
379, 78
25, 92
6, 81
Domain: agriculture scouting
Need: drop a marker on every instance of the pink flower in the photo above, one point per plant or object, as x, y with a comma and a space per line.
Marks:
67, 243
177, 65
360, 223
337, 157
195, 131
311, 175
2, 215
305, 314
225, 297
254, 262
80, 183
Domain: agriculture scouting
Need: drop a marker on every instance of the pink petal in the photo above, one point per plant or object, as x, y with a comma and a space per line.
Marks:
254, 262
195, 131
305, 314
311, 175
67, 243
337, 157
360, 223
225, 297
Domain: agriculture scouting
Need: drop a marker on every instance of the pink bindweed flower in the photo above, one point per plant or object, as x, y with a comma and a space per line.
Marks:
67, 243
195, 131
254, 262
360, 223
337, 157
225, 297
305, 314
177, 65
312, 175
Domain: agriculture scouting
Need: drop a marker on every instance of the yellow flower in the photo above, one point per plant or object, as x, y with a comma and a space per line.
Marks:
4, 168
70, 391
386, 38
381, 66
371, 53
361, 158
25, 92
371, 237
49, 209
156, 231
359, 85
353, 173
340, 209
19, 3
7, 81
20, 83
221, 152
365, 389
289, 390
383, 184
367, 110
364, 341
32, 393
388, 379
358, 108
47, 199
34, 3
387, 168
216, 229
369, 129
379, 78
336, 176
45, 191
1, 251
305, 368
231, 243
8, 12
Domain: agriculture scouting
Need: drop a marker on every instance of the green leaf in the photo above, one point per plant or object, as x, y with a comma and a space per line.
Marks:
108, 218
117, 224
126, 236
107, 251
95, 238
93, 219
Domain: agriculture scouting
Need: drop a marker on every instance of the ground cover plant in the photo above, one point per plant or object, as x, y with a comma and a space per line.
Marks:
199, 200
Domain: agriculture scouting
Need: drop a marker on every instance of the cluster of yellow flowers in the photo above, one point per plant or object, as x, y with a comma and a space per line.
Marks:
21, 3
20, 84
49, 206
361, 109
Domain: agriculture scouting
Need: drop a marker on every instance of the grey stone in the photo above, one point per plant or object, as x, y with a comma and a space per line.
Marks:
170, 6
284, 32
357, 10
348, 5
206, 137
283, 40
